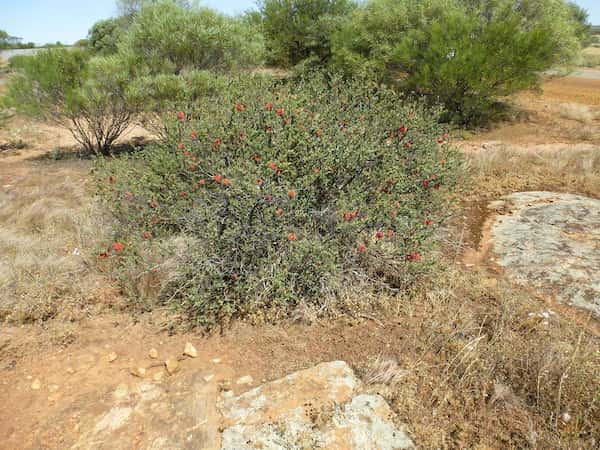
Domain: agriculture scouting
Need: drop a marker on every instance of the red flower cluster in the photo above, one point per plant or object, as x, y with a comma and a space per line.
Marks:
181, 116
217, 143
403, 129
279, 212
269, 106
428, 222
292, 237
194, 134
280, 112
183, 194
181, 146
349, 216
362, 248
146, 235
379, 235
239, 107
415, 256
117, 246
291, 194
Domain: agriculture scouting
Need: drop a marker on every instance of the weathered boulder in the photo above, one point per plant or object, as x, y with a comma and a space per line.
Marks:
315, 408
552, 242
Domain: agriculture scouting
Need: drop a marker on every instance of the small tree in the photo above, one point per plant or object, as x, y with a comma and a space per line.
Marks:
296, 30
85, 96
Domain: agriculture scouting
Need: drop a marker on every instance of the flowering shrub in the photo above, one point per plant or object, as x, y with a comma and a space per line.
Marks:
283, 189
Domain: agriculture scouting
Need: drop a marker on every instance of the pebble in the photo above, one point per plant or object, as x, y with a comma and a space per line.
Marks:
139, 372
158, 376
70, 370
36, 385
153, 353
207, 378
190, 350
122, 391
245, 380
112, 356
215, 361
172, 366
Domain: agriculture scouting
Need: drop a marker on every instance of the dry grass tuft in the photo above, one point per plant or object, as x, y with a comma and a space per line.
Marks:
484, 371
578, 112
504, 169
50, 228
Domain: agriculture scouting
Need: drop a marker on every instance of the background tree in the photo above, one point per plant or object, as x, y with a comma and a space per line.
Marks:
463, 53
296, 30
104, 35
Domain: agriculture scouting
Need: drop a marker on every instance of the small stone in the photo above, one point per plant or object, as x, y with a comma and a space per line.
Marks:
158, 376
121, 392
227, 394
245, 380
112, 356
138, 372
215, 361
207, 378
36, 385
70, 370
172, 366
190, 350
153, 353
53, 387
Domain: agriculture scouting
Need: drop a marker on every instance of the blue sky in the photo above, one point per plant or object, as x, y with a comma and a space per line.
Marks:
44, 21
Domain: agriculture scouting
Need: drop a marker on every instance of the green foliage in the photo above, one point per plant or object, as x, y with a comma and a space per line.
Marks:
88, 97
583, 27
11, 42
283, 192
165, 38
103, 37
298, 30
464, 53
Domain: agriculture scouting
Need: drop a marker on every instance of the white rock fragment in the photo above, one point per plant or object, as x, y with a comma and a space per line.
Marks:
190, 350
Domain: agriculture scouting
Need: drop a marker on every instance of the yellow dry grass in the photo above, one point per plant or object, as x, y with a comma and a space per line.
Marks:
49, 228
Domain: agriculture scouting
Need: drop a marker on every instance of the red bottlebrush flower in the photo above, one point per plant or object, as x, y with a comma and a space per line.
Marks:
291, 194
117, 246
397, 205
428, 222
128, 196
218, 178
146, 235
442, 162
415, 256
181, 146
217, 143
436, 186
269, 106
226, 182
280, 112
403, 129
194, 134
103, 255
362, 248
390, 233
111, 180
273, 166
392, 181
425, 183
201, 182
183, 194
260, 182
292, 237
181, 116
379, 235
348, 216
239, 107
440, 140
153, 204
279, 212
269, 198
